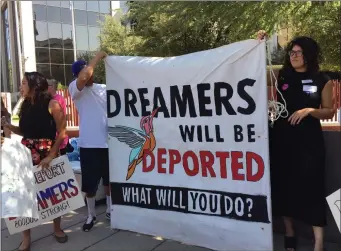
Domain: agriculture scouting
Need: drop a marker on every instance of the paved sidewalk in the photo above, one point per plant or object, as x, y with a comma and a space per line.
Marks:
102, 238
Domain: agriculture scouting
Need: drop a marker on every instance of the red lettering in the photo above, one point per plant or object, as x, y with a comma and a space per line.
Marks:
12, 218
207, 161
174, 158
188, 171
260, 163
236, 165
223, 156
64, 191
161, 160
146, 168
41, 203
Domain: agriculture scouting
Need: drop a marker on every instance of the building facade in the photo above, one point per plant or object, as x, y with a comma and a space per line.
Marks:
48, 36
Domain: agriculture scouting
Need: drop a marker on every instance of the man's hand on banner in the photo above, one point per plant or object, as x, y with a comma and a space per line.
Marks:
101, 54
262, 35
45, 163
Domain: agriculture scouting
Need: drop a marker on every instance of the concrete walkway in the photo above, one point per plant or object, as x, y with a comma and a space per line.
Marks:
102, 237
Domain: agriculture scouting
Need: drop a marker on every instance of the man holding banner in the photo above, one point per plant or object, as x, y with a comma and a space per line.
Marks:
91, 102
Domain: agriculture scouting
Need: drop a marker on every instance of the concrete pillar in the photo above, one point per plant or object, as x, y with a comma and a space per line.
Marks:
4, 57
14, 47
27, 35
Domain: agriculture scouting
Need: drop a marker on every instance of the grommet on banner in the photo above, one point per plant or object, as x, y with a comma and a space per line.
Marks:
275, 108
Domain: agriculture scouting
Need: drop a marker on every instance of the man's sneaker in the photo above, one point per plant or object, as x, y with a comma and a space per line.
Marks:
107, 215
89, 223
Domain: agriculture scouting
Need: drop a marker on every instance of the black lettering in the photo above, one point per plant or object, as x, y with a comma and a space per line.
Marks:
194, 198
159, 99
202, 202
207, 134
217, 132
245, 96
130, 102
117, 101
144, 102
221, 100
187, 133
204, 100
251, 132
186, 99
238, 133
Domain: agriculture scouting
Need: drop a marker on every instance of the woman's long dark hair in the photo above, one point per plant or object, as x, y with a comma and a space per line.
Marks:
311, 54
38, 86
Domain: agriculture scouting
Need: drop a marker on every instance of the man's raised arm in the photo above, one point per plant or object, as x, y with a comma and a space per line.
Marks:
88, 70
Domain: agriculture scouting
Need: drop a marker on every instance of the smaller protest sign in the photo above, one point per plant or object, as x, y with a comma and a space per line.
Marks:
57, 194
17, 181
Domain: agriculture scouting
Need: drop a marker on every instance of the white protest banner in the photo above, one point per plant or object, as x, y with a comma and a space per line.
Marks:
57, 193
188, 140
18, 194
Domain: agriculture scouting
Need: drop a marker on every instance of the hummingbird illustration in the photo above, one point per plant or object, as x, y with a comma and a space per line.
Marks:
137, 140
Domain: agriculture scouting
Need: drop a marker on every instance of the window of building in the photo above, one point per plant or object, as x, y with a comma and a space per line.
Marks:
39, 2
80, 17
53, 3
104, 7
66, 16
57, 71
93, 19
67, 36
79, 5
68, 74
44, 69
92, 6
82, 38
94, 38
41, 34
42, 55
56, 56
65, 4
53, 14
68, 57
55, 35
39, 13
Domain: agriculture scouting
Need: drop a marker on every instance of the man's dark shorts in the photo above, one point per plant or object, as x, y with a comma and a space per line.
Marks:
94, 166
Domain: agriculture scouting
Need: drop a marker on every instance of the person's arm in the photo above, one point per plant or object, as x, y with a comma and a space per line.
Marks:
88, 70
7, 125
59, 118
327, 110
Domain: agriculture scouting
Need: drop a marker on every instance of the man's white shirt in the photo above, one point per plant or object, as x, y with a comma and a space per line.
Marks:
91, 103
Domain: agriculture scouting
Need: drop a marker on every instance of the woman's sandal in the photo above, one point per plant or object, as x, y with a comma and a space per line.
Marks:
290, 242
62, 239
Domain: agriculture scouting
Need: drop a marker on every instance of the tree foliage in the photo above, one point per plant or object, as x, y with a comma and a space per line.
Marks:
176, 28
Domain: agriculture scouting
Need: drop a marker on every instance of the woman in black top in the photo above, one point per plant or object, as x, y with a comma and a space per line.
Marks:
297, 151
40, 118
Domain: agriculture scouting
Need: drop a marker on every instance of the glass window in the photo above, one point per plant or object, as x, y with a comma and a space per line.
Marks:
53, 14
92, 6
67, 36
79, 5
42, 55
80, 54
39, 12
68, 74
39, 2
65, 4
56, 56
80, 17
57, 71
104, 7
82, 38
101, 18
41, 34
66, 16
93, 38
68, 57
93, 18
44, 69
53, 3
55, 35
